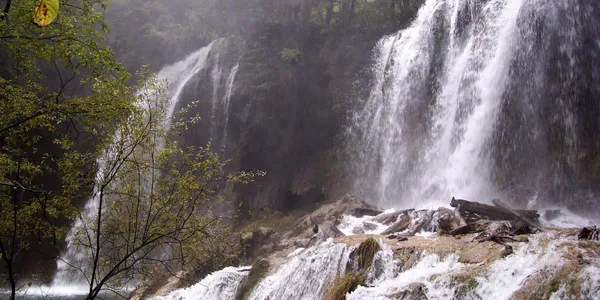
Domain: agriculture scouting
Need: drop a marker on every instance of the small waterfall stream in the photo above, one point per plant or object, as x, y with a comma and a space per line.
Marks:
74, 257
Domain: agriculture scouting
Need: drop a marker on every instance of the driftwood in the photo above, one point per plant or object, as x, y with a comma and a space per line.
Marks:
500, 239
420, 223
459, 217
390, 217
516, 214
472, 227
401, 224
463, 227
491, 212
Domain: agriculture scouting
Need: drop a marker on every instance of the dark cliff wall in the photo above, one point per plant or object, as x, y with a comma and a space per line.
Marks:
290, 101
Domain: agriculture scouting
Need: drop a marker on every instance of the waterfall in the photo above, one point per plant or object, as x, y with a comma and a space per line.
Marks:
74, 258
479, 99
223, 82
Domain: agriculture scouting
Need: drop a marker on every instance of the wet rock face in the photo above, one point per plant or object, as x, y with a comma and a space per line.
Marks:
328, 216
415, 291
260, 242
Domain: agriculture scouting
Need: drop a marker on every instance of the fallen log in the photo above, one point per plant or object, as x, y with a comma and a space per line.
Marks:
500, 239
473, 227
389, 218
401, 224
491, 212
420, 223
516, 214
458, 216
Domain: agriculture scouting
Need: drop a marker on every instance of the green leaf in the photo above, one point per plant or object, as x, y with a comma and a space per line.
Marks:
45, 12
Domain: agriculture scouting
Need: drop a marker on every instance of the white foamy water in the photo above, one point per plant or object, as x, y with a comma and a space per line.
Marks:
307, 275
351, 225
506, 276
565, 219
384, 266
448, 157
440, 117
422, 272
220, 285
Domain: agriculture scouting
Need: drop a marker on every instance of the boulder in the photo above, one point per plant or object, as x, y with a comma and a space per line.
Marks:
401, 224
261, 241
390, 218
446, 221
174, 282
328, 216
415, 291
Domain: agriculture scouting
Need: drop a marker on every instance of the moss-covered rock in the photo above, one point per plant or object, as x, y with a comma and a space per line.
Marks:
259, 270
344, 284
366, 252
415, 291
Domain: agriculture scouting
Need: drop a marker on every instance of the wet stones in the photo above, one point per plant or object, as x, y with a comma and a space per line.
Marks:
415, 291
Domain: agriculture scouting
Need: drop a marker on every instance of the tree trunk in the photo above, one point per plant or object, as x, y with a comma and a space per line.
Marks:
516, 214
400, 225
305, 9
329, 12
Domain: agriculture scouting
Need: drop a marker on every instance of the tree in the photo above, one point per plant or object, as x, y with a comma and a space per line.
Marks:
155, 201
60, 91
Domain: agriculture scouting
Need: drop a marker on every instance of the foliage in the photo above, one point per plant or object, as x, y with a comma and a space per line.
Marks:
366, 251
343, 285
60, 91
290, 55
157, 202
45, 12
348, 282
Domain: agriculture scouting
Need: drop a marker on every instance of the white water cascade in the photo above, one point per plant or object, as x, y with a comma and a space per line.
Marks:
69, 277
222, 284
310, 273
306, 275
460, 103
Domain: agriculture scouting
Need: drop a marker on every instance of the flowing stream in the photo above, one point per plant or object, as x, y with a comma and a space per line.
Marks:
310, 273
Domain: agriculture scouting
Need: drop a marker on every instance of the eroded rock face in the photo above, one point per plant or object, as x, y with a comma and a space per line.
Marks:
260, 242
173, 283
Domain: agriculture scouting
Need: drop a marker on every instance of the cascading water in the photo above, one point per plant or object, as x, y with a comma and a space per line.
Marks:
74, 259
210, 93
307, 275
222, 284
482, 99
